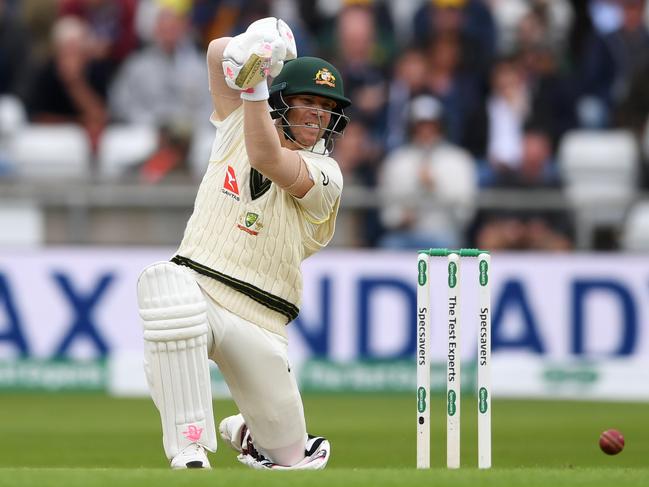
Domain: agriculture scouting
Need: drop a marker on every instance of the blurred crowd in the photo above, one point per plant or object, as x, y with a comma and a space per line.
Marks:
450, 97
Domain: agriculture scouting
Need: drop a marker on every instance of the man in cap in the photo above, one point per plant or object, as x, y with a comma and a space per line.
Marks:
427, 169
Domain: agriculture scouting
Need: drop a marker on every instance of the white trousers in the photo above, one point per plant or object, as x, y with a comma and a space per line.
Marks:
254, 363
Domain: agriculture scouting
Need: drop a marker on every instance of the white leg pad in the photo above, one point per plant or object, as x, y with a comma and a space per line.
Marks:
174, 319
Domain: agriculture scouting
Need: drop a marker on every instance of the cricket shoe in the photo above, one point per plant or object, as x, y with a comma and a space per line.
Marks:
192, 456
234, 431
316, 456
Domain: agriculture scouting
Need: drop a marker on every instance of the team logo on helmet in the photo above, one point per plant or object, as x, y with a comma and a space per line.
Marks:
325, 77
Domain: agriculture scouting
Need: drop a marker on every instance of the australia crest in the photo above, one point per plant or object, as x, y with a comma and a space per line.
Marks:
250, 222
325, 77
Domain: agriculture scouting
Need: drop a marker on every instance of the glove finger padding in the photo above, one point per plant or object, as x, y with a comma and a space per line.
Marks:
257, 53
246, 60
276, 68
240, 47
266, 27
271, 29
278, 54
286, 33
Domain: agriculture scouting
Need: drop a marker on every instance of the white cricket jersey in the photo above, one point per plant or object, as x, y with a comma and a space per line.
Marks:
247, 237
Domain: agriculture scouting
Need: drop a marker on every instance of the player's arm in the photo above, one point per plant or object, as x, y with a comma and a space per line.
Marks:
224, 99
283, 166
247, 60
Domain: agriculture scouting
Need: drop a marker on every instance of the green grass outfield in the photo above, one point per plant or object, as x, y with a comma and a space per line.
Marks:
92, 440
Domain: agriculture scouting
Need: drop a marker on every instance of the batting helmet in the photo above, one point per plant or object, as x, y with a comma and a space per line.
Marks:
310, 76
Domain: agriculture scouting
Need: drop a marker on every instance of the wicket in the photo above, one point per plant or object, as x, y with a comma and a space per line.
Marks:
453, 376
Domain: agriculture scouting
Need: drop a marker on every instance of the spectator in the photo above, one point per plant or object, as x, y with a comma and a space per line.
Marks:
289, 12
508, 107
322, 19
364, 78
633, 110
606, 15
39, 17
458, 90
428, 167
470, 21
580, 31
221, 18
215, 18
70, 87
14, 50
633, 113
552, 91
527, 234
611, 62
525, 229
12, 119
165, 86
358, 157
543, 21
112, 26
408, 80
537, 168
168, 164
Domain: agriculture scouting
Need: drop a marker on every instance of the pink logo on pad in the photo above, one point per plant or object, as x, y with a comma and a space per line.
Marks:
193, 433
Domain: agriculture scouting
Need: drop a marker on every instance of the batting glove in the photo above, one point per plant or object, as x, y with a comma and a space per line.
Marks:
251, 57
273, 29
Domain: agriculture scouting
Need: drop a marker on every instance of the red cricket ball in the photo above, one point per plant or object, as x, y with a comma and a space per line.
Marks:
611, 442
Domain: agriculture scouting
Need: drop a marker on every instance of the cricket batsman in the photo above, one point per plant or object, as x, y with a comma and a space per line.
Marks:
268, 200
